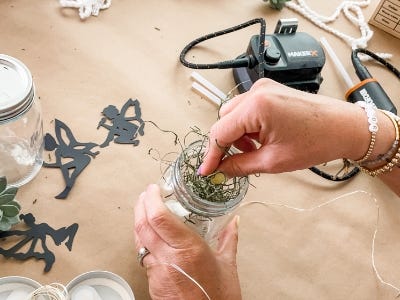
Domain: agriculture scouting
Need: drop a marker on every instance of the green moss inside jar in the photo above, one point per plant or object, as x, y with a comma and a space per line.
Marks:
204, 203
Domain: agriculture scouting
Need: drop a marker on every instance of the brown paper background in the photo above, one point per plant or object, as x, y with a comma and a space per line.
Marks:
80, 67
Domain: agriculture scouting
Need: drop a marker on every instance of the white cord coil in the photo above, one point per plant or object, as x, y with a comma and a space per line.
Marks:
352, 10
54, 291
87, 7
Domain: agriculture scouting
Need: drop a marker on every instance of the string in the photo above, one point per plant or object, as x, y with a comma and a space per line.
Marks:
180, 270
54, 291
310, 209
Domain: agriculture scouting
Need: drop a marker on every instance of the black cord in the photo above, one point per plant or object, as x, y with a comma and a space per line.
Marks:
336, 178
362, 71
247, 61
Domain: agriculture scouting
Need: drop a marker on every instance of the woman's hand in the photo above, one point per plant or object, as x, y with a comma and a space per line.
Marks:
172, 242
281, 129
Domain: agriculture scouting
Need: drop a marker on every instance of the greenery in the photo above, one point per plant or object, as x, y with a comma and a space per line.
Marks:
215, 187
9, 207
277, 4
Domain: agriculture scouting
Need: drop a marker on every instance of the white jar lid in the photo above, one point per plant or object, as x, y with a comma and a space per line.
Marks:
16, 87
107, 285
16, 285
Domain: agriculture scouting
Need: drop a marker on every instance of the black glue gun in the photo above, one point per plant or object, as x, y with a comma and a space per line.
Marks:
369, 88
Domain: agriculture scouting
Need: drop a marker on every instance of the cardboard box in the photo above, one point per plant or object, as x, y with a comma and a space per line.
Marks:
387, 17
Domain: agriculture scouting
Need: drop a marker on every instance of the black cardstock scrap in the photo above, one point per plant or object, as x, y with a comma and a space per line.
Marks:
124, 127
36, 233
80, 154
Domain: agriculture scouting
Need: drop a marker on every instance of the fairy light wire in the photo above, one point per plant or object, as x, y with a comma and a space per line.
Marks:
53, 291
180, 270
310, 209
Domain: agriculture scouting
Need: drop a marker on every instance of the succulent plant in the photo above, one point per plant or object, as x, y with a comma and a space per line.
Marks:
9, 207
277, 4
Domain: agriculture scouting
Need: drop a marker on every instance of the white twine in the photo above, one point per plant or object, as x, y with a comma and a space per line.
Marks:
87, 7
54, 291
377, 274
352, 10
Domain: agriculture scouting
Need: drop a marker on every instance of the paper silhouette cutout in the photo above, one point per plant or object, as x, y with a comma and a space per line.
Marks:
80, 153
36, 233
125, 128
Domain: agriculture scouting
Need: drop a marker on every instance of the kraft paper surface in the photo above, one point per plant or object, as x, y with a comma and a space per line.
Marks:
131, 50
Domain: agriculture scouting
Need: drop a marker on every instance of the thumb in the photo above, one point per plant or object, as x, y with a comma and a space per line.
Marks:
228, 240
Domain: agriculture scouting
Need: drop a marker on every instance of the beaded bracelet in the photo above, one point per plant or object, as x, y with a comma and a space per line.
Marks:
385, 158
373, 128
388, 167
370, 164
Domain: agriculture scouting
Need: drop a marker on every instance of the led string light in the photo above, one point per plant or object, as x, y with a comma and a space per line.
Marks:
377, 274
54, 291
180, 270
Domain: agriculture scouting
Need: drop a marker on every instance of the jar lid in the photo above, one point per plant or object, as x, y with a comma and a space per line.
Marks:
16, 87
16, 287
106, 285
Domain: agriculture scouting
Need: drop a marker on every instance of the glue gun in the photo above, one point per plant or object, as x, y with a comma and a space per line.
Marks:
368, 88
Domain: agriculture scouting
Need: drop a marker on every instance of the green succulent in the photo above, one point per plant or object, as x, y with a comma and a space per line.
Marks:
277, 4
9, 207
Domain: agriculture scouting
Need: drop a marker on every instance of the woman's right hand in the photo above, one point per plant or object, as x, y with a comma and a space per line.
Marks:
280, 129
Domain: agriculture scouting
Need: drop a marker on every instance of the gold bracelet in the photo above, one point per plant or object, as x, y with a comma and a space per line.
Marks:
388, 167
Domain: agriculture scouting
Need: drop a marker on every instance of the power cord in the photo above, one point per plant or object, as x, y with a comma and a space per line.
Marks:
247, 61
362, 71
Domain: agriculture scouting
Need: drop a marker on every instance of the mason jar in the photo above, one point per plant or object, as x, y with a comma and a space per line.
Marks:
21, 128
204, 203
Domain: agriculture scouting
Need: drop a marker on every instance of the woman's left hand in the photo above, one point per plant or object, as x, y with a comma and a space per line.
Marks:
171, 242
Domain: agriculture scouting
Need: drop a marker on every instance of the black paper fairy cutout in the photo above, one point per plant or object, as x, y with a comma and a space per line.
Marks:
125, 128
80, 154
36, 233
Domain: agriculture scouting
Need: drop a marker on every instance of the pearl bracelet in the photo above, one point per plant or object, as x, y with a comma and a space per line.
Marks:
385, 158
373, 128
395, 159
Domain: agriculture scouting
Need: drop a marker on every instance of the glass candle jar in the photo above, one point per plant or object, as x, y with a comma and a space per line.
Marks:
21, 128
206, 203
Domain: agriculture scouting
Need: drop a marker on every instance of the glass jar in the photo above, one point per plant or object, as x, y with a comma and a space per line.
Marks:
21, 128
190, 196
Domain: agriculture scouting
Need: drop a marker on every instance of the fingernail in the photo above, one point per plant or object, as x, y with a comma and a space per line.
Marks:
199, 170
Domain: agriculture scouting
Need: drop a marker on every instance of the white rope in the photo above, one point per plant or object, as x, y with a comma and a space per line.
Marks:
352, 10
87, 7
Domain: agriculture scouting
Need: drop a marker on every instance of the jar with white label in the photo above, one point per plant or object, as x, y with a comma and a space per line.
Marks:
21, 128
204, 203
